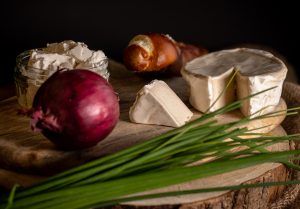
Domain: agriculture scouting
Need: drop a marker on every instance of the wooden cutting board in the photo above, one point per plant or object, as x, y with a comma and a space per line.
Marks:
24, 151
27, 157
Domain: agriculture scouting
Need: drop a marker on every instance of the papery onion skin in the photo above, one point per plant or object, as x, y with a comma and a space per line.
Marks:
75, 109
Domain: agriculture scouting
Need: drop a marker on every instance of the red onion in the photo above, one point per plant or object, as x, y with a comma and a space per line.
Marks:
75, 109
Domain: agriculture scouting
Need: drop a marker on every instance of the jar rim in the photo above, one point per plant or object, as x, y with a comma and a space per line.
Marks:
23, 58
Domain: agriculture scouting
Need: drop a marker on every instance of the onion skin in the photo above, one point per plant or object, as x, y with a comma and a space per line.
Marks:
75, 109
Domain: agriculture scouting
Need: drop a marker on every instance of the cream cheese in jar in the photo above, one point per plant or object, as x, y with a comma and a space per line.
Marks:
33, 67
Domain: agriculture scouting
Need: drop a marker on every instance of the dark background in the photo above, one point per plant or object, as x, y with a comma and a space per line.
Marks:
109, 25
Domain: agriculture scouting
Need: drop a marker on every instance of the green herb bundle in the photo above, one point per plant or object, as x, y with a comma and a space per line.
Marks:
165, 160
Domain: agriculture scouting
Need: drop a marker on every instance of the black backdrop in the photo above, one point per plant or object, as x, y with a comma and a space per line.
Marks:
110, 24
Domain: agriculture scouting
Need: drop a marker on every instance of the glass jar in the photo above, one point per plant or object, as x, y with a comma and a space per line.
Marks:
29, 79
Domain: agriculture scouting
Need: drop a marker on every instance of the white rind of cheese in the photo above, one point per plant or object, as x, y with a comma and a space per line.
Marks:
261, 103
156, 103
257, 71
205, 90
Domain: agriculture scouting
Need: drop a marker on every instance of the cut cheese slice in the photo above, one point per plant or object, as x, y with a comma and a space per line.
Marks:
257, 71
156, 103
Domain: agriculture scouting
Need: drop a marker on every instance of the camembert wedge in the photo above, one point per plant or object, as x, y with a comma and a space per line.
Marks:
156, 103
257, 71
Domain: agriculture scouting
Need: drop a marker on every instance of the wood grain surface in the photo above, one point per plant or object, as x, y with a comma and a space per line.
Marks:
27, 157
25, 151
